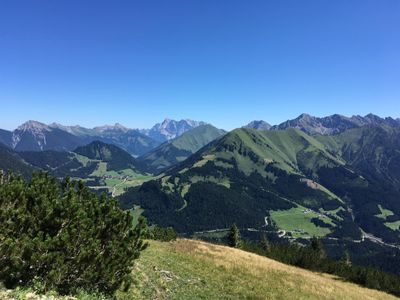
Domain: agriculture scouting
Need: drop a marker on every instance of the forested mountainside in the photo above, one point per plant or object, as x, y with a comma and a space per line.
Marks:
287, 182
101, 166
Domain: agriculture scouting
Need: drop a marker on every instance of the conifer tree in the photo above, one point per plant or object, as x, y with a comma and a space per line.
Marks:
317, 247
346, 260
264, 243
234, 236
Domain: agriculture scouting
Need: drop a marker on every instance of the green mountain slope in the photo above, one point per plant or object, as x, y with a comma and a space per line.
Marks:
284, 180
101, 166
253, 178
6, 137
60, 164
372, 150
10, 160
116, 158
177, 150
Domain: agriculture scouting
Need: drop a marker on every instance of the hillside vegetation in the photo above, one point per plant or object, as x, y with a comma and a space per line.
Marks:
103, 167
190, 269
62, 237
283, 180
243, 178
9, 160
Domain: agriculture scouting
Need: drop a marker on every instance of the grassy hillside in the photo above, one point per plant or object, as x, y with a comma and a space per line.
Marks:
189, 269
177, 150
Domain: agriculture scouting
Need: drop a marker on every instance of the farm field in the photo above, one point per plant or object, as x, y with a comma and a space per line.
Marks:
298, 221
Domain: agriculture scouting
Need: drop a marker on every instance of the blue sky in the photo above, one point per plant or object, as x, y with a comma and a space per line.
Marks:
224, 62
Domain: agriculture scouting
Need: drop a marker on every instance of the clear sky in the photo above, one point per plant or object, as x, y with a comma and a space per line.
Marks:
224, 62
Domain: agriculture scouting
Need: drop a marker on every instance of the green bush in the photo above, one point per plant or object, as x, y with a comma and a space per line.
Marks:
163, 234
64, 236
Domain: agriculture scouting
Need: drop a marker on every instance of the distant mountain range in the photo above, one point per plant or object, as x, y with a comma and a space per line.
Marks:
336, 177
327, 125
36, 136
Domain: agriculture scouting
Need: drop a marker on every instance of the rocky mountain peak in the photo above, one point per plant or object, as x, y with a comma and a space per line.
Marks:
115, 127
304, 116
170, 129
258, 125
33, 126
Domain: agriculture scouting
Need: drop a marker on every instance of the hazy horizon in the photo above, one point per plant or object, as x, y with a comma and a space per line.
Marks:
160, 121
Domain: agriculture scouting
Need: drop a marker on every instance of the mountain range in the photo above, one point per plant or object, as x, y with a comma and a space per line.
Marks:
326, 125
36, 136
343, 188
335, 177
350, 183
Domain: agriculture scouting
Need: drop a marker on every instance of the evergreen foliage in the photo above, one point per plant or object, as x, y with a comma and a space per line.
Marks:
234, 237
264, 243
164, 234
317, 248
64, 236
346, 260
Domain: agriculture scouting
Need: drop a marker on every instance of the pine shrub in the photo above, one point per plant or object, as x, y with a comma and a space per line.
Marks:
64, 236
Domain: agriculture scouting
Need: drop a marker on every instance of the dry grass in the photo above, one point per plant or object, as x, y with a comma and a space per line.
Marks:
306, 284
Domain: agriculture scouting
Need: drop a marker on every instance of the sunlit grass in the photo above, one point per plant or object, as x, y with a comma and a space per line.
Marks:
189, 269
